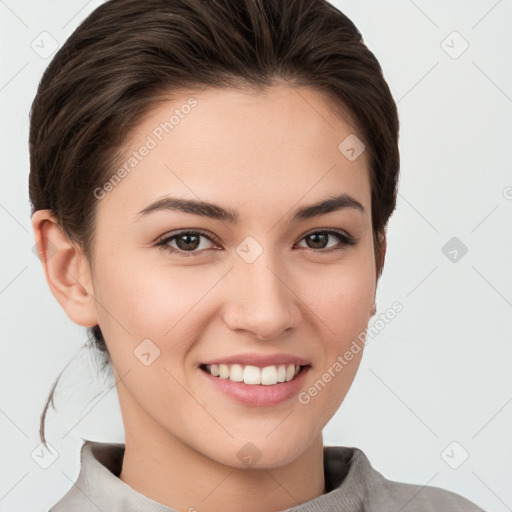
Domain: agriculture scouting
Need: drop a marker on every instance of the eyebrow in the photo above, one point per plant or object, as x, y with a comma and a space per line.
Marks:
214, 211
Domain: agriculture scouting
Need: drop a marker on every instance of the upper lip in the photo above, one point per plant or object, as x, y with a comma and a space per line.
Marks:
260, 360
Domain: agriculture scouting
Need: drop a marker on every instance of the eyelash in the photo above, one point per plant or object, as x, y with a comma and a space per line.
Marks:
345, 240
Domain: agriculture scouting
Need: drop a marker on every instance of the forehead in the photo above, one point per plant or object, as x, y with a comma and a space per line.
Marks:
242, 146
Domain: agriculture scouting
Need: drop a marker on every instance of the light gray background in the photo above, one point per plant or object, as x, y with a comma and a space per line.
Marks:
438, 373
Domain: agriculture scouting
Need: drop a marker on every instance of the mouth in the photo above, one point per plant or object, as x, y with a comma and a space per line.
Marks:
254, 375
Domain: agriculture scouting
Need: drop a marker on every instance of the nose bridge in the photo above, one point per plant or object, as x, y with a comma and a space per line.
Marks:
263, 301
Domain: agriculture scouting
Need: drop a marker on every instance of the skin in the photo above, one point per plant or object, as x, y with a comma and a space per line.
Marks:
264, 154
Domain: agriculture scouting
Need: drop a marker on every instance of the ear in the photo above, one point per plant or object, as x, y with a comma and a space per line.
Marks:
379, 266
383, 248
382, 254
66, 269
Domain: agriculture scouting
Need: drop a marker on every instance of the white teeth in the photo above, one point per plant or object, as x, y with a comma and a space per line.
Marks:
281, 373
269, 375
236, 373
253, 375
223, 371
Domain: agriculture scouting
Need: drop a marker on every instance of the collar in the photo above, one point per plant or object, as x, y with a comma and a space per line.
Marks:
346, 470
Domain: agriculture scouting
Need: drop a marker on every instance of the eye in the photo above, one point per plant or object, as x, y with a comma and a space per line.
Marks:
188, 243
320, 238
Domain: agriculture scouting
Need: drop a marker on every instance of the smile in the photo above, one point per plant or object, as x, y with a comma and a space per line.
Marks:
254, 375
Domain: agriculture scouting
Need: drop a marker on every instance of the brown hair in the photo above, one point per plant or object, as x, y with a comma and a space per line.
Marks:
127, 55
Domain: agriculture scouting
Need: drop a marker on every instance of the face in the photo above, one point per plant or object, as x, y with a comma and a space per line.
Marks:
269, 282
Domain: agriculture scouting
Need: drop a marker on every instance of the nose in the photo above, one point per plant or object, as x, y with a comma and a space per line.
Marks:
262, 300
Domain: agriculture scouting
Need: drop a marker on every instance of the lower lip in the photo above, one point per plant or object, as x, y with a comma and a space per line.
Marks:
260, 395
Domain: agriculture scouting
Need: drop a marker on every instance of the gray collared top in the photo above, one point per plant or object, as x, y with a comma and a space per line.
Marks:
352, 485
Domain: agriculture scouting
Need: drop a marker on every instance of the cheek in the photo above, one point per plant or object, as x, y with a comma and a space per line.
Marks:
342, 302
343, 298
142, 301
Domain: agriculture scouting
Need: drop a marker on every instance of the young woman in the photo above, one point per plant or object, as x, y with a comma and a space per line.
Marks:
211, 183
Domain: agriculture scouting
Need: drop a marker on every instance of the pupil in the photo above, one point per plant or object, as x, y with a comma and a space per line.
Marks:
187, 243
315, 237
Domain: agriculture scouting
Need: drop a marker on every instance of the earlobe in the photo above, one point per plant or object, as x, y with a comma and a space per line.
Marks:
66, 269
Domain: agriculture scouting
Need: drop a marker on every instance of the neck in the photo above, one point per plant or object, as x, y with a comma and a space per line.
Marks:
171, 472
